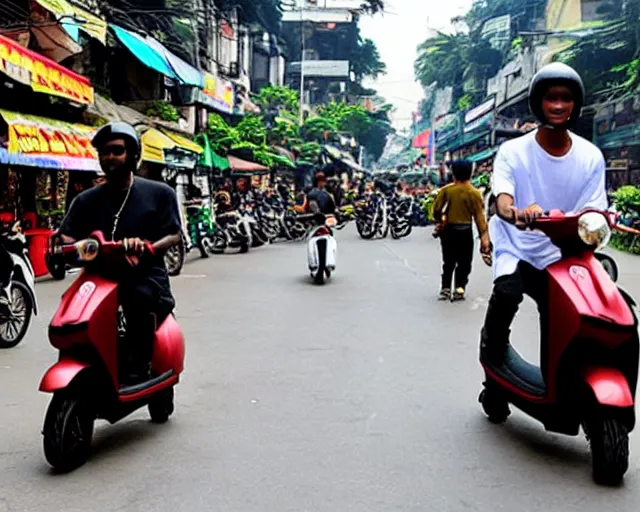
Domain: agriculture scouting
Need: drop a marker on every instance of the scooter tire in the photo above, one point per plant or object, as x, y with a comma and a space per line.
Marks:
56, 267
28, 313
609, 442
67, 432
495, 407
204, 246
319, 278
161, 406
174, 268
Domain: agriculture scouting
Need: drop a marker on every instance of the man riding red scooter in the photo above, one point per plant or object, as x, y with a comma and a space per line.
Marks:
120, 347
589, 339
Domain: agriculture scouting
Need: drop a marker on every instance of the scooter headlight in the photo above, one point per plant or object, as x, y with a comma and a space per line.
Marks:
87, 250
593, 229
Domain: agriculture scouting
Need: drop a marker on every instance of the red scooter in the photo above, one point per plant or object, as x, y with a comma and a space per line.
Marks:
87, 329
588, 352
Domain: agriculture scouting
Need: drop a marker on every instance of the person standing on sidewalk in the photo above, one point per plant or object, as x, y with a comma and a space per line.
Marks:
456, 207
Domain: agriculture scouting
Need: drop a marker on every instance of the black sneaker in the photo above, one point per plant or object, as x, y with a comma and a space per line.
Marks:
445, 294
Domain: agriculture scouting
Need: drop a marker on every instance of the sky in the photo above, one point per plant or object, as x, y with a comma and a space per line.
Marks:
397, 34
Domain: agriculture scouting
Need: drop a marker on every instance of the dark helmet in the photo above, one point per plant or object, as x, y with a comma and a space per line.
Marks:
552, 75
119, 130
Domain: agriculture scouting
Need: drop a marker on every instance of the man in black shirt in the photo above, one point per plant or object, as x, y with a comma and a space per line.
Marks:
320, 197
133, 210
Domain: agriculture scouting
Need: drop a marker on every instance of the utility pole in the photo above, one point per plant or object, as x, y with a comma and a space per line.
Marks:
302, 50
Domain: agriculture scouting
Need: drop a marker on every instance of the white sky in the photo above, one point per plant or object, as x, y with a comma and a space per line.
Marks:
397, 34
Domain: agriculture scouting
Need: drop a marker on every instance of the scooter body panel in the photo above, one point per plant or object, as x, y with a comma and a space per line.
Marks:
610, 387
331, 251
584, 304
23, 266
61, 374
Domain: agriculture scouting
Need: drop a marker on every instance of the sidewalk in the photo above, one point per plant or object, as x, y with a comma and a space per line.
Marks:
629, 268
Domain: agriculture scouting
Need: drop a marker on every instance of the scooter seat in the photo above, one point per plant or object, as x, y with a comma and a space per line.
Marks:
522, 373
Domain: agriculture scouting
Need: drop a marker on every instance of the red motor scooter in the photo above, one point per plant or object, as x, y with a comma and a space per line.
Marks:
87, 329
588, 351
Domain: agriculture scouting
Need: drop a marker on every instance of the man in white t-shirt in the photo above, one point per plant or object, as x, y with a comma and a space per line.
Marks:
549, 168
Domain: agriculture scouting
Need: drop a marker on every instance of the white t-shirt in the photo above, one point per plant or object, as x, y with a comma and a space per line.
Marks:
525, 171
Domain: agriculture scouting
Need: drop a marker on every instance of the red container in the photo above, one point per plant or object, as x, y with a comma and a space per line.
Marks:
38, 240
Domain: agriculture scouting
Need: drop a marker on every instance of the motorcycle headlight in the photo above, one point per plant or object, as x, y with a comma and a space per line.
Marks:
593, 229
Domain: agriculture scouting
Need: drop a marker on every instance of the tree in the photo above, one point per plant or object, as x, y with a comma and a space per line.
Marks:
366, 61
458, 61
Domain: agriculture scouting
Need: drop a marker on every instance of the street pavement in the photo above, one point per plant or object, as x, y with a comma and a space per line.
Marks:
357, 396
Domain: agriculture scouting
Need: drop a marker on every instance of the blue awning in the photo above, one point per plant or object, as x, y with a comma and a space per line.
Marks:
185, 71
143, 52
154, 55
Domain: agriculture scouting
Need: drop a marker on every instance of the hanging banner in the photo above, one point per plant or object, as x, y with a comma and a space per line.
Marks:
48, 144
217, 93
41, 74
480, 110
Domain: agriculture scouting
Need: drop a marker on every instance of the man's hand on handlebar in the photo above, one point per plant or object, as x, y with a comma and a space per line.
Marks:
522, 219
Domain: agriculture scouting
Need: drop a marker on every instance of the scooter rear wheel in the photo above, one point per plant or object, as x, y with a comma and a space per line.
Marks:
495, 406
68, 430
161, 406
609, 440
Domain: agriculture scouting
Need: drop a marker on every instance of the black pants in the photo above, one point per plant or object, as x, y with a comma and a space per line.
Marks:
508, 293
457, 254
146, 304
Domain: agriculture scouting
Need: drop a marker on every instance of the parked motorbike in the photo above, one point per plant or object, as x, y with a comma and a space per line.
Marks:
17, 294
588, 351
87, 329
322, 248
202, 229
400, 218
372, 217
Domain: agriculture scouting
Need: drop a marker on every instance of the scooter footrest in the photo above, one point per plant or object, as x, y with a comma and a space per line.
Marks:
136, 388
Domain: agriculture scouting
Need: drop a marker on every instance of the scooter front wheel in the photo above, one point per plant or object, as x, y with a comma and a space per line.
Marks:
609, 440
161, 406
68, 430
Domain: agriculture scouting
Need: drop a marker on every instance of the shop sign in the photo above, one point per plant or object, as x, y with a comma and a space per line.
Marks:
482, 122
217, 93
446, 127
480, 110
498, 32
40, 142
85, 20
42, 74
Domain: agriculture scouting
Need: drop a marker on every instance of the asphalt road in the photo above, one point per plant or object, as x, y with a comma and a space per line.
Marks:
357, 396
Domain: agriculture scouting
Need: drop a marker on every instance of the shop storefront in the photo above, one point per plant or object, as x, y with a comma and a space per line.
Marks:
617, 134
38, 157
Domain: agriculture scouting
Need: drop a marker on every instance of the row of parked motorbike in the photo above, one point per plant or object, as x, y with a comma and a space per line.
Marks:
268, 218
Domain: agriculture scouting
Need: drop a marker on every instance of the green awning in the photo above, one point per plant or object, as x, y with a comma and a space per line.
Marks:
483, 155
210, 159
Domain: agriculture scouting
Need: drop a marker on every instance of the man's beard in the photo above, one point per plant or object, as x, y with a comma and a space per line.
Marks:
118, 173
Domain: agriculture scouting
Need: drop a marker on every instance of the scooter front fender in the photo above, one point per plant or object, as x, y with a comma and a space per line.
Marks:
610, 387
61, 374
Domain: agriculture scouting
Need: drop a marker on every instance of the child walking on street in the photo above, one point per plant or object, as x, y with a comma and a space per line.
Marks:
456, 207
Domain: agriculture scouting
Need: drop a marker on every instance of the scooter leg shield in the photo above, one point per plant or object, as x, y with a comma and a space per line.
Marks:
312, 254
61, 374
610, 387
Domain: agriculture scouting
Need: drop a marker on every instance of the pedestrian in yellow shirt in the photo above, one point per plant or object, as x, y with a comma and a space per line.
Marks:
455, 208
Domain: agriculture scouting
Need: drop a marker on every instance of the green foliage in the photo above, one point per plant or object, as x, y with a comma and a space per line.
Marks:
627, 198
366, 62
277, 97
163, 110
252, 129
465, 102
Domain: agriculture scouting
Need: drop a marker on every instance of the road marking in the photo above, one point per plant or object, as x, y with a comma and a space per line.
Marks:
193, 276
